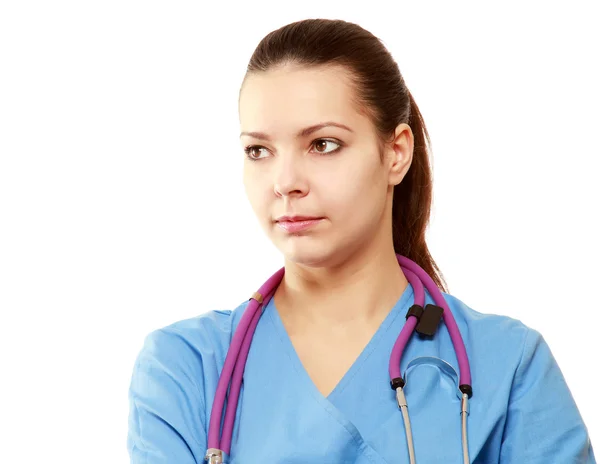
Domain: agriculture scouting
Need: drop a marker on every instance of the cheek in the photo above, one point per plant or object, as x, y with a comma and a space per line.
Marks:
351, 187
260, 198
356, 198
255, 194
340, 194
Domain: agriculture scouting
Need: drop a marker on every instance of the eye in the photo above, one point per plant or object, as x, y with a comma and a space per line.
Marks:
249, 150
324, 141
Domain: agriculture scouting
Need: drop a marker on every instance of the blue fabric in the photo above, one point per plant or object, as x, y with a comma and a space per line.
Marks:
521, 410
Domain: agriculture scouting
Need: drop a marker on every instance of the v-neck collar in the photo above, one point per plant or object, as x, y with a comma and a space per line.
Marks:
288, 346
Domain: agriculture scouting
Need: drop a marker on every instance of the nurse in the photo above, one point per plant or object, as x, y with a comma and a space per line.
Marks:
337, 171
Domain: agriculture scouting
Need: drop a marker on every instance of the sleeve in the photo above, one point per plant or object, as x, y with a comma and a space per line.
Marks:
167, 421
543, 423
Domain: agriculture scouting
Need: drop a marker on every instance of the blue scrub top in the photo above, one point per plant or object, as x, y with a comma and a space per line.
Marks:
521, 411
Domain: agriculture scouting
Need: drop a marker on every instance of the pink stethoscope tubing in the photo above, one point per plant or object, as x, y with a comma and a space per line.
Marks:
235, 361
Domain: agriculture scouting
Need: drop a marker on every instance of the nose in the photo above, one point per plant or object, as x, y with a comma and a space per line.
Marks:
289, 178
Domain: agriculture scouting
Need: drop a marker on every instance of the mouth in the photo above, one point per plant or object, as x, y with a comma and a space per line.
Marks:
298, 225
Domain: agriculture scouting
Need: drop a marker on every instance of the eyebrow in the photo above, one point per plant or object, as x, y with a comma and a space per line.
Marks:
303, 133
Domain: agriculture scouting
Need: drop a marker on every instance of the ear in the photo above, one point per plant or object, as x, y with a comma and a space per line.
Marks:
400, 153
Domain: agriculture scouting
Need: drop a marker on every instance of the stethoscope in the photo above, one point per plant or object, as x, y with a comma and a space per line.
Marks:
428, 317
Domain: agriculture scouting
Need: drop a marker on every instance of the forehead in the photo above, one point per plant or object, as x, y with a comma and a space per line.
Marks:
287, 98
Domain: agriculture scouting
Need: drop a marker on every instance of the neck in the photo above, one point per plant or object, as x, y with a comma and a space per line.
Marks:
357, 292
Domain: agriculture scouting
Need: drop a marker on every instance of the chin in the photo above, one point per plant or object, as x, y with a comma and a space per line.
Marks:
307, 254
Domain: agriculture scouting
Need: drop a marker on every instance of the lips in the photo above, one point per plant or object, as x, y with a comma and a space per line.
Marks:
297, 225
297, 218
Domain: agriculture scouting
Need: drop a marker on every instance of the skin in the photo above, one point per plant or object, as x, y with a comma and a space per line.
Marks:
341, 276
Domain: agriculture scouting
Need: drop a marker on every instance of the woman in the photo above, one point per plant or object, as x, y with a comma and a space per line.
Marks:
337, 171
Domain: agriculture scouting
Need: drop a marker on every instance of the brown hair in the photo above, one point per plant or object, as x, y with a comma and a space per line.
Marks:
381, 95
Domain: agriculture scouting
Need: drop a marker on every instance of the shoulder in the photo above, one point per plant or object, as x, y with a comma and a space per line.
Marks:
501, 339
201, 338
173, 382
184, 359
487, 325
518, 383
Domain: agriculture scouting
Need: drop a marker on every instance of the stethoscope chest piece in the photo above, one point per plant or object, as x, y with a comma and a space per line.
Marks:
444, 366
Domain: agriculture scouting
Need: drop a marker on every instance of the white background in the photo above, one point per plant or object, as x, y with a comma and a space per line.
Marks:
122, 206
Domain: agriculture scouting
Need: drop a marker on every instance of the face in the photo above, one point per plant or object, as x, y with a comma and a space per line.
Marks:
332, 173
